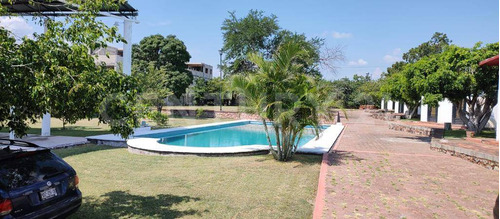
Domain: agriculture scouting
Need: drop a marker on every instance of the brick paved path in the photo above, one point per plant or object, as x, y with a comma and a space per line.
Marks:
376, 172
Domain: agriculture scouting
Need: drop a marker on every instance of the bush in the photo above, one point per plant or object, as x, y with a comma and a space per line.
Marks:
199, 113
159, 118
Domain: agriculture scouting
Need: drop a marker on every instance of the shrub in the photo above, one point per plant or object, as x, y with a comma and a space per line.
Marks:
159, 118
199, 113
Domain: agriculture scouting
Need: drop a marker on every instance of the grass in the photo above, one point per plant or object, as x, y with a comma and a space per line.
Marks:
116, 183
486, 133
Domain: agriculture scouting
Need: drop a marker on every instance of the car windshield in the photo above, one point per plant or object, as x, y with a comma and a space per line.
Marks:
27, 168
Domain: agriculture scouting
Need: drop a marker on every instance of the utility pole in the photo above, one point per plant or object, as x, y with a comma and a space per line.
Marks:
221, 76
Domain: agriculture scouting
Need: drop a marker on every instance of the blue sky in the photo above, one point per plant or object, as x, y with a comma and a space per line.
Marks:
374, 34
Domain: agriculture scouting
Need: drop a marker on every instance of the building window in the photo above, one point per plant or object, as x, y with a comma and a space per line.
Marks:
206, 70
210, 71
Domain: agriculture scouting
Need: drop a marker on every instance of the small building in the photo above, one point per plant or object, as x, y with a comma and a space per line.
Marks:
112, 57
201, 70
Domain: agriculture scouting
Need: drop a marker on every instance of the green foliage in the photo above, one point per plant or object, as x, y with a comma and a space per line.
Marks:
435, 45
199, 113
257, 33
361, 90
54, 72
206, 91
280, 92
153, 86
159, 118
167, 54
253, 33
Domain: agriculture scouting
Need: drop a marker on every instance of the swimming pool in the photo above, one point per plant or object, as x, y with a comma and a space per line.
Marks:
237, 137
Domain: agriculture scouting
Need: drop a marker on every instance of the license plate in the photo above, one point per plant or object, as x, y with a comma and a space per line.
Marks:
48, 193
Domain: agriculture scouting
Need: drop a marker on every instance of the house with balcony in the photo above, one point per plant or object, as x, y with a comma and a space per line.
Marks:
112, 57
200, 70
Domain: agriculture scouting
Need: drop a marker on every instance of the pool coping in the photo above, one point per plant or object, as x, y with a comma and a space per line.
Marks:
148, 145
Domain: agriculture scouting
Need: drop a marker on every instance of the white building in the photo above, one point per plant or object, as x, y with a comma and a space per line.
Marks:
200, 70
112, 57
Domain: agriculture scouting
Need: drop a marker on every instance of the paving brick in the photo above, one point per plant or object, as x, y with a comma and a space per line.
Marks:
377, 172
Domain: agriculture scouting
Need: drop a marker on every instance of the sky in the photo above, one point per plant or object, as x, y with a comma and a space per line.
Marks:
373, 34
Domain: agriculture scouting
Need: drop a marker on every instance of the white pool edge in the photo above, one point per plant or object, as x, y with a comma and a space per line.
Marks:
315, 146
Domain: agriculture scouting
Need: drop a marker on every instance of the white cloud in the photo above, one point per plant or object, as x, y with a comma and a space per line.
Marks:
17, 26
395, 56
338, 35
377, 73
360, 62
159, 23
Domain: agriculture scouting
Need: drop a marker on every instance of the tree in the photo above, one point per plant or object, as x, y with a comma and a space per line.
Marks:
262, 34
436, 45
153, 86
54, 72
167, 53
281, 93
399, 86
253, 33
456, 75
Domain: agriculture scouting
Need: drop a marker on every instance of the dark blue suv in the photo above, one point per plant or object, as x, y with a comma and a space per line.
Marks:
35, 183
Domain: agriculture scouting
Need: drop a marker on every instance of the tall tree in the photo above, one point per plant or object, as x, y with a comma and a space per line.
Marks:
253, 33
54, 72
436, 45
168, 53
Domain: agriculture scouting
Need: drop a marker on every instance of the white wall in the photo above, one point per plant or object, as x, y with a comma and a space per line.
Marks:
405, 109
389, 105
396, 107
424, 108
445, 111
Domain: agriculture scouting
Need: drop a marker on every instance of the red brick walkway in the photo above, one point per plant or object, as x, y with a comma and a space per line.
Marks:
376, 172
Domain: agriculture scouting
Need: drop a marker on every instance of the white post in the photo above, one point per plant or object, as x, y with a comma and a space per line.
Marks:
11, 133
127, 47
46, 124
46, 117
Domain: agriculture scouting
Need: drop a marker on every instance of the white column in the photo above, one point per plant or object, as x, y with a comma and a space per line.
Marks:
11, 133
445, 112
382, 104
46, 117
127, 47
389, 105
424, 109
396, 107
46, 124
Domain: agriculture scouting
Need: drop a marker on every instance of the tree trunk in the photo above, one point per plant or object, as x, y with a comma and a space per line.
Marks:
269, 140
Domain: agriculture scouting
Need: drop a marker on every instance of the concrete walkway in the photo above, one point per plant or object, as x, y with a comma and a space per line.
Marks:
375, 172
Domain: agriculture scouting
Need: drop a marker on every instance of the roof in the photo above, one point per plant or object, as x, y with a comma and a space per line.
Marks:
493, 61
199, 64
59, 8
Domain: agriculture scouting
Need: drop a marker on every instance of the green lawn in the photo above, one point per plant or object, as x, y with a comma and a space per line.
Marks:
461, 134
116, 183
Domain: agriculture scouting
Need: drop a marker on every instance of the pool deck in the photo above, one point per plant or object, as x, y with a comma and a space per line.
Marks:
377, 172
150, 145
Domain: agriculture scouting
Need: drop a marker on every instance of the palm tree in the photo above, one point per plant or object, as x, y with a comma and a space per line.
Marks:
280, 93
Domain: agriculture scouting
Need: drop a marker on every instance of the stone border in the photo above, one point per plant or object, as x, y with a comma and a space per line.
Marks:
418, 130
486, 160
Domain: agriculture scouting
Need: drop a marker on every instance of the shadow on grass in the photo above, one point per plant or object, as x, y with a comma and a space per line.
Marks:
68, 152
341, 157
304, 159
122, 204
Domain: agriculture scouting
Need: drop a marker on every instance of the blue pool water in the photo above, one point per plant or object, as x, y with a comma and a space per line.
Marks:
235, 135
